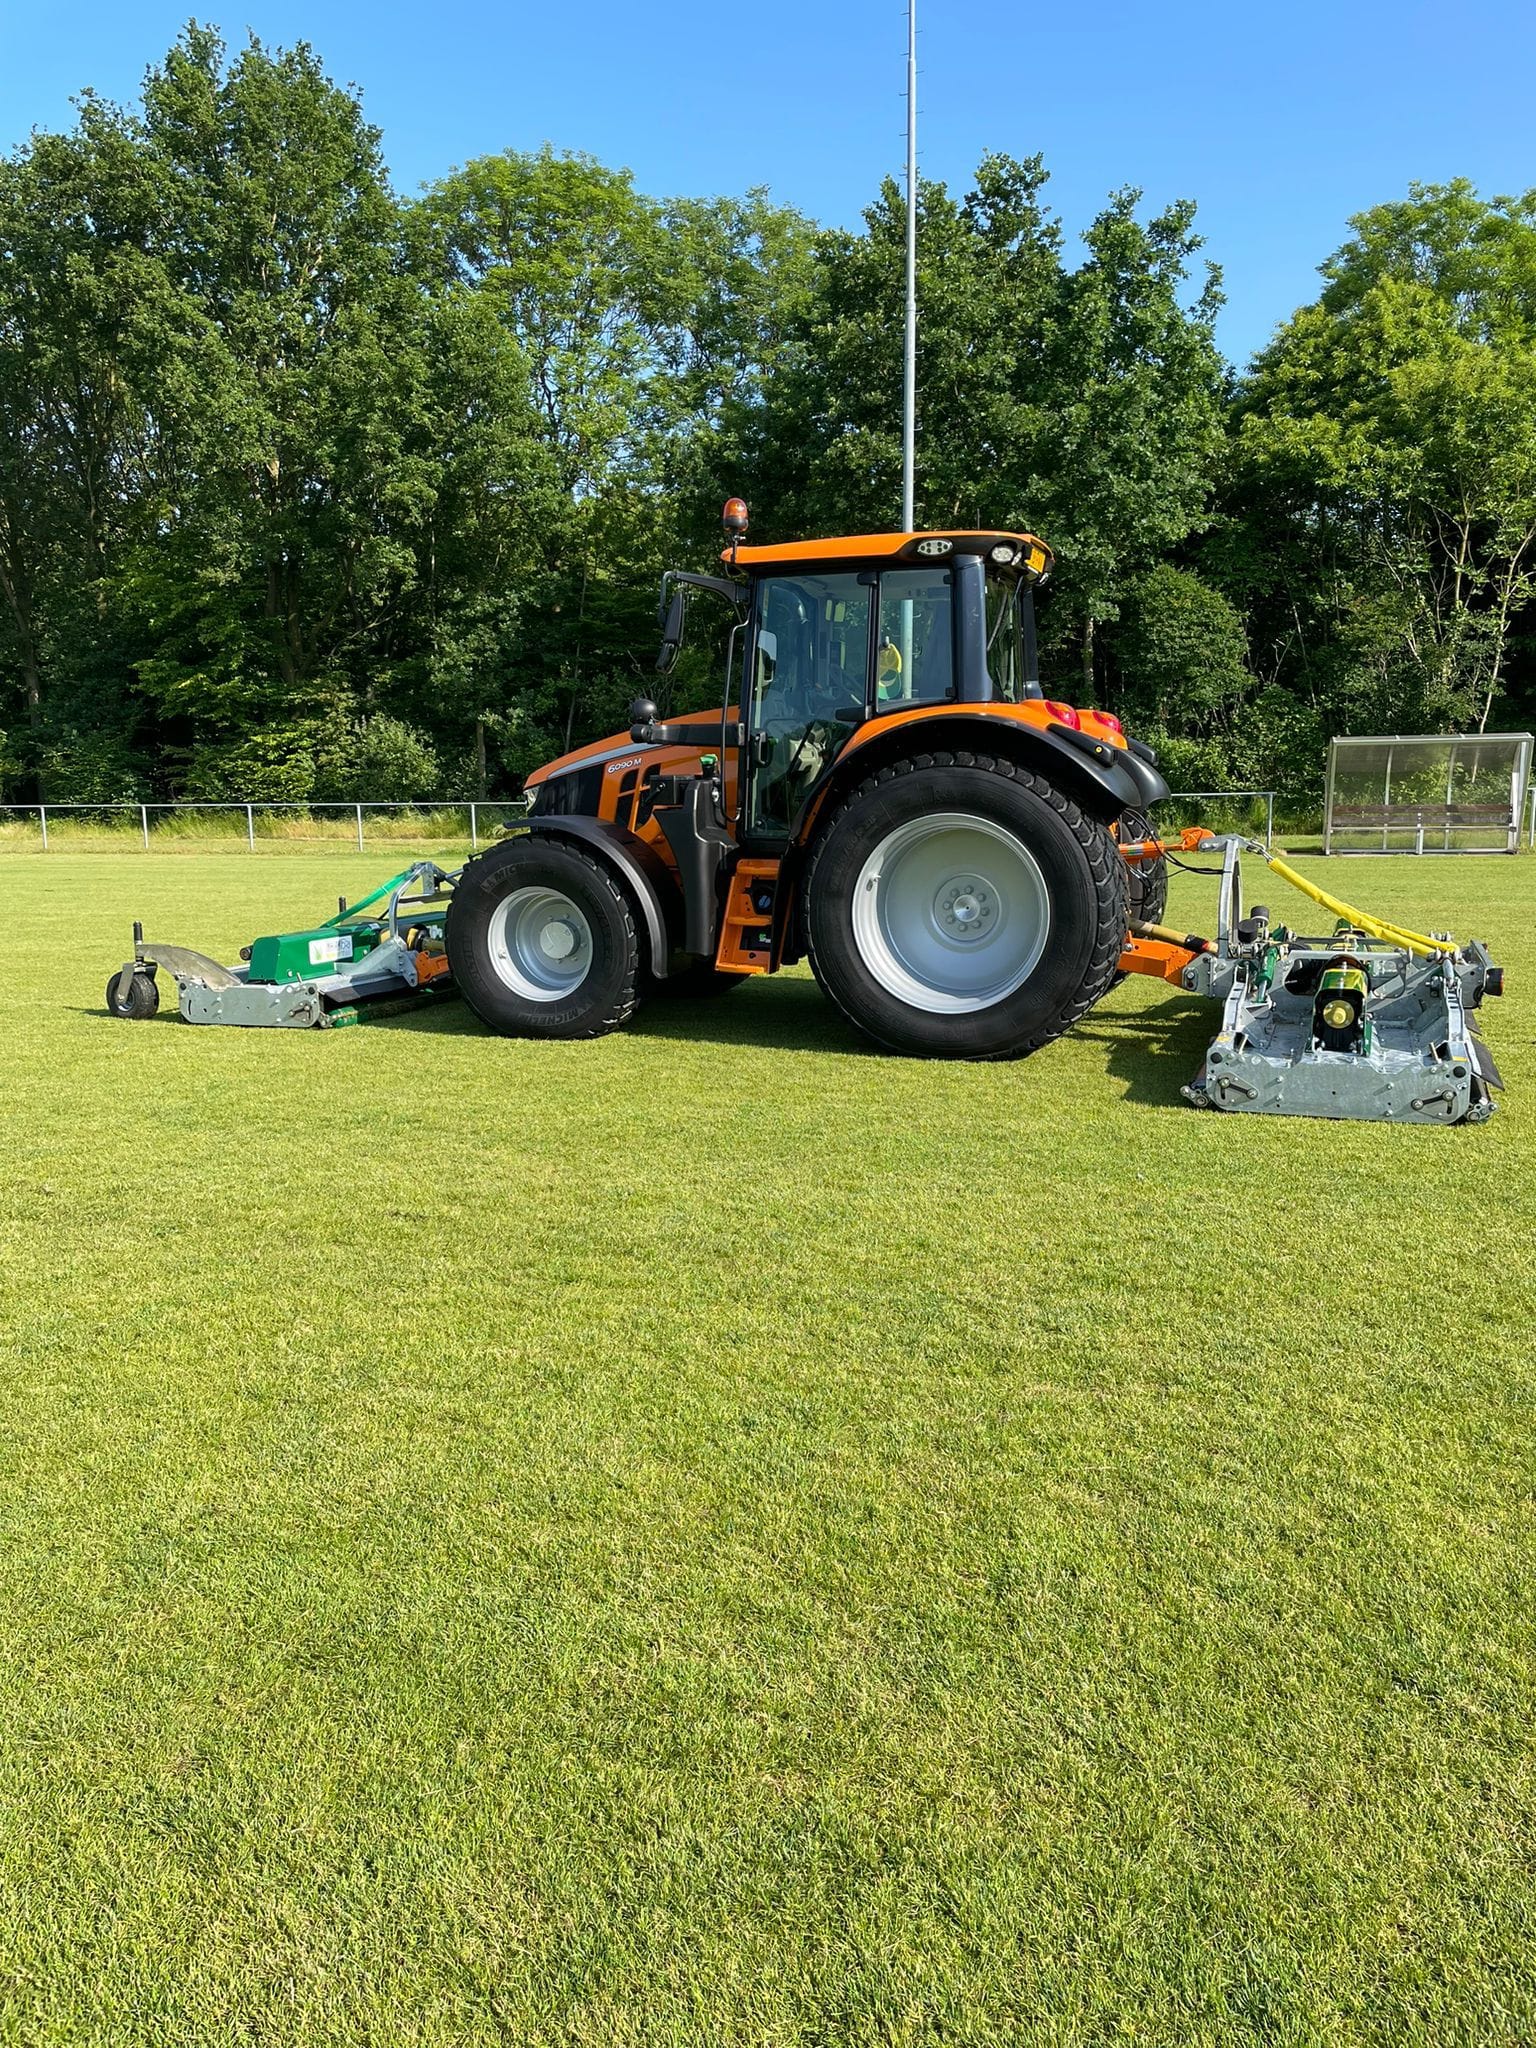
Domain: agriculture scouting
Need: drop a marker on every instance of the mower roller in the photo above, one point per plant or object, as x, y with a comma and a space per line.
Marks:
887, 792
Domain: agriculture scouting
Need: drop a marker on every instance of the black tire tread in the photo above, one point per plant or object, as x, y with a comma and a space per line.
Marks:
618, 1012
143, 998
1103, 855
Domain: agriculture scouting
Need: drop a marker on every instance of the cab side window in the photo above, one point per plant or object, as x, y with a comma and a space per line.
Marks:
915, 654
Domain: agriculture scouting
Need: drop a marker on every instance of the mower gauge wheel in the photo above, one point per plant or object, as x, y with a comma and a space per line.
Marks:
141, 1000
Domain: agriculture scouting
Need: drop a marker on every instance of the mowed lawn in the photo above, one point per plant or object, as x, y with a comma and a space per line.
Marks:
718, 1536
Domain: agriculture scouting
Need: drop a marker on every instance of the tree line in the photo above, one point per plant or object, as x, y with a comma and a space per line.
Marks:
311, 491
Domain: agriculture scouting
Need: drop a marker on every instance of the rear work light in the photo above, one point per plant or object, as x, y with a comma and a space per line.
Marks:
1063, 714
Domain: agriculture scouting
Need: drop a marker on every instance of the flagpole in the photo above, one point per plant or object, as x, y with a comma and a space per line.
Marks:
909, 363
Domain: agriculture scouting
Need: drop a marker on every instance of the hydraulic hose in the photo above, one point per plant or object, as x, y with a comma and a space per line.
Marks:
1358, 920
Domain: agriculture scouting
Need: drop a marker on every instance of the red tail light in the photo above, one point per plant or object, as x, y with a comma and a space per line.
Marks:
1063, 714
1108, 718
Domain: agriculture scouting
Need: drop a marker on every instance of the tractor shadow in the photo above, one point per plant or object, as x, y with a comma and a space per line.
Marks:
779, 1013
1153, 1051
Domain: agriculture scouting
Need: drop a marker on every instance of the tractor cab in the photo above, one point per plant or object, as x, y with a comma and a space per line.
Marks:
842, 633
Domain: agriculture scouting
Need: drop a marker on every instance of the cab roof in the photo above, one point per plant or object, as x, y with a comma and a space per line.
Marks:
1031, 554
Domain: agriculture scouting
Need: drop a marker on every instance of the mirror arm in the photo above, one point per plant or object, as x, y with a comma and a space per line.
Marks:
653, 733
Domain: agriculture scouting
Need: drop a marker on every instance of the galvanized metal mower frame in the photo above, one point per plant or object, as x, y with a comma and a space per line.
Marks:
1405, 1047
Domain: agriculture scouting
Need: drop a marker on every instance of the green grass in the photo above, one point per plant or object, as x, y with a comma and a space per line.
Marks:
719, 1537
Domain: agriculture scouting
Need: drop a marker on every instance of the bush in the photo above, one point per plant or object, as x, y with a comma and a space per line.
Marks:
275, 765
1180, 650
88, 768
381, 760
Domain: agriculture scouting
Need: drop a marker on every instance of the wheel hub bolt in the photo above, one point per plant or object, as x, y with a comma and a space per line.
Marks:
966, 907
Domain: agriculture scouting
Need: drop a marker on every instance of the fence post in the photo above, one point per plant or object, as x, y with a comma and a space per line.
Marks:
144, 821
42, 817
474, 842
1269, 820
250, 827
359, 828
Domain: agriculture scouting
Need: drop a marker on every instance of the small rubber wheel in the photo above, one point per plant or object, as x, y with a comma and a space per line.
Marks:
542, 941
142, 1000
1146, 881
961, 907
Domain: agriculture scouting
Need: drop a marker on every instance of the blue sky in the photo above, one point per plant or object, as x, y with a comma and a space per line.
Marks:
1279, 122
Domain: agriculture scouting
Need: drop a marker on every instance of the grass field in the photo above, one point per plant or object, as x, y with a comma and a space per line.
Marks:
720, 1537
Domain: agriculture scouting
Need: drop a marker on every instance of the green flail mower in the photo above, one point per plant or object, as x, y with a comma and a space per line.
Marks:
386, 951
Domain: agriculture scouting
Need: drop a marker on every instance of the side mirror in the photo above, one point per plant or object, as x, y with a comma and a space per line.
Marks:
642, 716
671, 632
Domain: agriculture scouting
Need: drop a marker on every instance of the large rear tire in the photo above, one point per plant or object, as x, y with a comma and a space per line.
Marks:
542, 942
963, 908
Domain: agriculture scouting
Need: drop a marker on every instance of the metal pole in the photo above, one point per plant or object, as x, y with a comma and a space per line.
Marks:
144, 821
42, 813
909, 361
474, 843
250, 827
359, 828
1269, 819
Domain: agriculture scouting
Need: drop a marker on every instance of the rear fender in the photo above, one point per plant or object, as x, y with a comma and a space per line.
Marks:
649, 882
1104, 779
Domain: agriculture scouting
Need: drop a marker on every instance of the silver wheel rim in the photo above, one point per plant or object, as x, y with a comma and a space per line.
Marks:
540, 944
951, 913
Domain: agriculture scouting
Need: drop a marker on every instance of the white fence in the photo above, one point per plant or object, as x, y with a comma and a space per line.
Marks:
480, 815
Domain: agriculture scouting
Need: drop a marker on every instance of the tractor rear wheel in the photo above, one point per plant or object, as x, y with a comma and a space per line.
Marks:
962, 907
542, 942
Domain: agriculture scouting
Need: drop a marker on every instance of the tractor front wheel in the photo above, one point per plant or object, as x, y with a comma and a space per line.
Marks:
962, 907
542, 942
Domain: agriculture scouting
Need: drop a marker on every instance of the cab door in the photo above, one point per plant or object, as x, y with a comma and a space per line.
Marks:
810, 686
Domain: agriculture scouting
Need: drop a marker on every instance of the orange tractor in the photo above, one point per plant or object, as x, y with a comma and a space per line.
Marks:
886, 791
